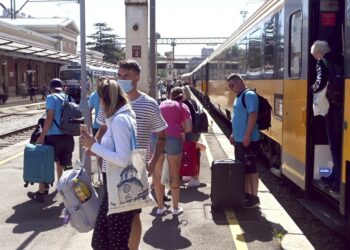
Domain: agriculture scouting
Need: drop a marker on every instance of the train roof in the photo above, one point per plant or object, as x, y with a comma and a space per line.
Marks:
264, 10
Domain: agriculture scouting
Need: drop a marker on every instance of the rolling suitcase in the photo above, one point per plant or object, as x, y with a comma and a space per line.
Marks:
190, 159
227, 184
38, 165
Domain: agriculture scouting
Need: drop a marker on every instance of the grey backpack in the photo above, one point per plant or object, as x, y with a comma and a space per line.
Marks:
82, 216
70, 112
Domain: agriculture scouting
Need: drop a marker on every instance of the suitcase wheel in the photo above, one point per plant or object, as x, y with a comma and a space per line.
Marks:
26, 184
32, 183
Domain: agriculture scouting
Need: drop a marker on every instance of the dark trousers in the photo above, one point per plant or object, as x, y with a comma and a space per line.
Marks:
112, 231
334, 134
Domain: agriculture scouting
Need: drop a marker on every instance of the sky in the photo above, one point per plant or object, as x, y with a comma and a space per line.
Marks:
174, 18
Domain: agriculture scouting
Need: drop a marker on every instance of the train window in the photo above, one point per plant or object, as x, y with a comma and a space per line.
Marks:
295, 37
66, 75
269, 47
254, 54
242, 59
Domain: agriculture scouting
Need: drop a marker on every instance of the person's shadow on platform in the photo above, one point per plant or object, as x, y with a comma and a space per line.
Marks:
166, 234
254, 225
191, 194
35, 217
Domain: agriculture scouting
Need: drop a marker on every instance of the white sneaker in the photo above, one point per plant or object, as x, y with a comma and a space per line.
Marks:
178, 211
161, 211
193, 183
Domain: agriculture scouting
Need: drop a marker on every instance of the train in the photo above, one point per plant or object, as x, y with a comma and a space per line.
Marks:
70, 74
271, 51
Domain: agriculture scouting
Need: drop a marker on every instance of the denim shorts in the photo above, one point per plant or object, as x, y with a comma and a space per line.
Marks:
173, 146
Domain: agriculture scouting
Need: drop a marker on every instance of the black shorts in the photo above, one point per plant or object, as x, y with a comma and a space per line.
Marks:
247, 155
63, 146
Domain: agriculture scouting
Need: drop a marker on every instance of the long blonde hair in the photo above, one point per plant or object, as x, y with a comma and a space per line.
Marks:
112, 95
187, 92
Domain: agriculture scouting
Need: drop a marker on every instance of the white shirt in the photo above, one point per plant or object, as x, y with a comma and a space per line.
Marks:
115, 145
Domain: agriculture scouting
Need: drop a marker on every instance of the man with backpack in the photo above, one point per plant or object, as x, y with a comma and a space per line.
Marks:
52, 135
246, 135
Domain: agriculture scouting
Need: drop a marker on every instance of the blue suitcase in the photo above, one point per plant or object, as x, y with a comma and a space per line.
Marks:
38, 166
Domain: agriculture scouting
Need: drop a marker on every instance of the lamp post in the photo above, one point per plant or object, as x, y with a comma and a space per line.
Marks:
173, 44
152, 51
83, 101
244, 14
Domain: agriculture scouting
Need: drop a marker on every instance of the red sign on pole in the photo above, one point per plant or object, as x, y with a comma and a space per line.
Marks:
328, 19
136, 51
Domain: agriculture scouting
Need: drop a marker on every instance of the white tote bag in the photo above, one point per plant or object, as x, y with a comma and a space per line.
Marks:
320, 103
128, 187
165, 179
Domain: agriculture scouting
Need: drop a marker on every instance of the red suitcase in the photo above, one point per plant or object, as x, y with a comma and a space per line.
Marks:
190, 159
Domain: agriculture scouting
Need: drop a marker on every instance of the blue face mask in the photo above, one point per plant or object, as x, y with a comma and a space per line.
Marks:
125, 85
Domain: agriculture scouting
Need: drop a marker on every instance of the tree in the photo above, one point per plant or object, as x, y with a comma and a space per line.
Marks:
105, 42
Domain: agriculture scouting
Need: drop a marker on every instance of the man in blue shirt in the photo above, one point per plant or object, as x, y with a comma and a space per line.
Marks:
94, 103
246, 135
52, 135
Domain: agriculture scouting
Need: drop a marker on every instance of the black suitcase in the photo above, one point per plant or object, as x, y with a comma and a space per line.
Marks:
227, 184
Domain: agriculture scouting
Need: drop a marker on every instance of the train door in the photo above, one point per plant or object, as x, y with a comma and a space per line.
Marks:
325, 133
295, 92
345, 179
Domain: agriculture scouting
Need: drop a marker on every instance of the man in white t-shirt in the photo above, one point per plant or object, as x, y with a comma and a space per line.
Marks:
149, 120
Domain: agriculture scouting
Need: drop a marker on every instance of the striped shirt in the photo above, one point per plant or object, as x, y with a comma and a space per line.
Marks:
148, 119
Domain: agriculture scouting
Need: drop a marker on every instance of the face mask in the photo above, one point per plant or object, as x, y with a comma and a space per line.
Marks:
125, 85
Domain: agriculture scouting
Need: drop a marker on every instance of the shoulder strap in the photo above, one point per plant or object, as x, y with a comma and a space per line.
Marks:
59, 97
243, 97
134, 144
194, 104
62, 99
133, 140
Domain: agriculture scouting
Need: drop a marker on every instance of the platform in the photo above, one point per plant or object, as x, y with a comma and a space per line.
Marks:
25, 224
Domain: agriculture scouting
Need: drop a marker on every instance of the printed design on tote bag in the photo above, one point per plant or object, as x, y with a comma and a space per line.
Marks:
130, 188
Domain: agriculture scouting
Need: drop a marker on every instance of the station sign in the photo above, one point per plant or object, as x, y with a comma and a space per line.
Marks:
136, 51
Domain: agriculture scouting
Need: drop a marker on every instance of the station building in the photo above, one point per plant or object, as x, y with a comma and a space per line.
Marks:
33, 49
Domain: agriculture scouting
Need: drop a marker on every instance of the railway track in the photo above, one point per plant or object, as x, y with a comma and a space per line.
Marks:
17, 123
16, 136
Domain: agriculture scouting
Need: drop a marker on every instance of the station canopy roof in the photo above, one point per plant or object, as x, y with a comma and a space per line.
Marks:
26, 49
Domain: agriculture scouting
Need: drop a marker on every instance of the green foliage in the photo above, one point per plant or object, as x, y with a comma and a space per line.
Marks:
105, 42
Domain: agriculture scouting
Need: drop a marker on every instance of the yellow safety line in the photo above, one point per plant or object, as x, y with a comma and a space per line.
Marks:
235, 229
11, 158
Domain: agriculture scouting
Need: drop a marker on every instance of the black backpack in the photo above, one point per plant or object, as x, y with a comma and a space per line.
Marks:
199, 117
70, 114
335, 87
264, 113
38, 129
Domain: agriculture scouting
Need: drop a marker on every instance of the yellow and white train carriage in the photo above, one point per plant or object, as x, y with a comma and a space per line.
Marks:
271, 51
